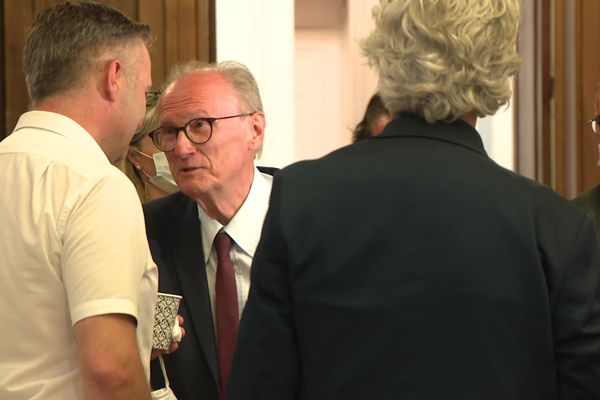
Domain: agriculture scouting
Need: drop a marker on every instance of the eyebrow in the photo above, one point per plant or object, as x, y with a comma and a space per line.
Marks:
194, 115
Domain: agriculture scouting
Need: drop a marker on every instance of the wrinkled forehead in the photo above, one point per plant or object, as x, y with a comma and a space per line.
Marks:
202, 91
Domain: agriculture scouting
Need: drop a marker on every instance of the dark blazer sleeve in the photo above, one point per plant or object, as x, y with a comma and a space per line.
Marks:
173, 231
590, 201
576, 318
266, 361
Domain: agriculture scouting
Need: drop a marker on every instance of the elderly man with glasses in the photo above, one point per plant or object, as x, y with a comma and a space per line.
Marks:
590, 200
211, 126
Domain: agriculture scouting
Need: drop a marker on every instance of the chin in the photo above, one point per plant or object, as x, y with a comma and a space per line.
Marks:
193, 188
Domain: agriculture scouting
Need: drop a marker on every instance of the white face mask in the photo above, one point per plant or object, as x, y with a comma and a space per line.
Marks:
163, 178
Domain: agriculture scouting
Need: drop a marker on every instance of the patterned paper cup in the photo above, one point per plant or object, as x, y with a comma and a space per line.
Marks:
165, 316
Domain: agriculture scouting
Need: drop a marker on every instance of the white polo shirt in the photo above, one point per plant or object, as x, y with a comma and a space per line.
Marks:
72, 245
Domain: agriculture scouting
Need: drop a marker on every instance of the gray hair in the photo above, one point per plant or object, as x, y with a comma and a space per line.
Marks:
443, 59
235, 73
65, 42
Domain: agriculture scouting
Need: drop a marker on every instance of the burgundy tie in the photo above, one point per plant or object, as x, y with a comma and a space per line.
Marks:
227, 309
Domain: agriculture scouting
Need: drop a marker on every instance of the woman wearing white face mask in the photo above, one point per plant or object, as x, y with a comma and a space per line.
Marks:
145, 164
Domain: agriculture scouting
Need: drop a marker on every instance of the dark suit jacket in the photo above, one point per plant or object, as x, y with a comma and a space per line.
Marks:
417, 268
590, 201
174, 236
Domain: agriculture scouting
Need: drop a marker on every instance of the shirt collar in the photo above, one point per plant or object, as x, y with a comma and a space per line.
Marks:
246, 225
60, 125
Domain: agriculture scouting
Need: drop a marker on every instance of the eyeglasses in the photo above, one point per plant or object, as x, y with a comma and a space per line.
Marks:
594, 123
198, 131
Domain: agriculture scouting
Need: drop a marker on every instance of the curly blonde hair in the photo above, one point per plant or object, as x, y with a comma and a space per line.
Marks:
443, 59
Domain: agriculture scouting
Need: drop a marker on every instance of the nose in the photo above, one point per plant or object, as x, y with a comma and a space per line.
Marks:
183, 145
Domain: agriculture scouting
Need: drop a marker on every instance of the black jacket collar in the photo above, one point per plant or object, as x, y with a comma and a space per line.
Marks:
411, 125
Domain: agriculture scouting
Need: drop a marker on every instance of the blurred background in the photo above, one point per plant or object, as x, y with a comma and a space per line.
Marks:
315, 83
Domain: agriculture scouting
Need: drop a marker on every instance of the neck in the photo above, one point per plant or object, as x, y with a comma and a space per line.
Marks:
470, 118
81, 107
222, 205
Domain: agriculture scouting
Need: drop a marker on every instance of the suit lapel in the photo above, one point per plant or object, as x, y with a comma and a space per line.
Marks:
189, 262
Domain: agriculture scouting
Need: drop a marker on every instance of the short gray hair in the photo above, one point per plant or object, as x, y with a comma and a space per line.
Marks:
442, 59
235, 73
64, 42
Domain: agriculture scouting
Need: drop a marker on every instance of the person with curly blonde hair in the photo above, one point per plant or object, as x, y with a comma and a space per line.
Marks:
461, 280
445, 60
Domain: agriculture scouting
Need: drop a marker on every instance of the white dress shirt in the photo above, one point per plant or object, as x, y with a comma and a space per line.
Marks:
244, 229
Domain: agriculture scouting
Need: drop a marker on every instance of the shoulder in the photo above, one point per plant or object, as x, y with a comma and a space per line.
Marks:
171, 204
547, 202
558, 223
162, 203
589, 200
336, 165
162, 211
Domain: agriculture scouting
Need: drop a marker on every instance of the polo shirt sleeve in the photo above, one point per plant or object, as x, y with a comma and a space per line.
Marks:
105, 252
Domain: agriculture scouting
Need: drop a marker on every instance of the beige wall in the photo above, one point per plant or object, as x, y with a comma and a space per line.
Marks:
314, 81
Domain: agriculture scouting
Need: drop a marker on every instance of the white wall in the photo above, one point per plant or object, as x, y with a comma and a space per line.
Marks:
497, 133
319, 124
248, 32
314, 82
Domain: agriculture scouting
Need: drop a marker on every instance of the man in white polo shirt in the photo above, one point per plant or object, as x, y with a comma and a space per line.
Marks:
77, 284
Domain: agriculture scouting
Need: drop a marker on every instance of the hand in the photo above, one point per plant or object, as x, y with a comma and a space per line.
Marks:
174, 344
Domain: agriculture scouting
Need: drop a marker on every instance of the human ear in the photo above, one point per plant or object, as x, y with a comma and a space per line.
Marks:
134, 158
114, 79
258, 124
